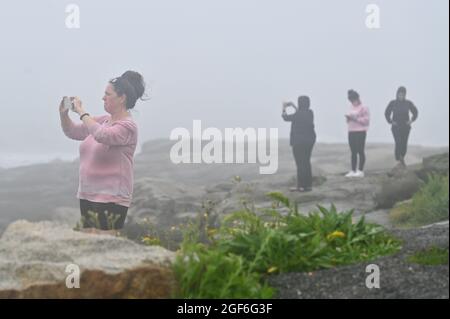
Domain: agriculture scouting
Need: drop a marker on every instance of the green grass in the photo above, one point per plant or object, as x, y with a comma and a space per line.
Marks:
429, 205
251, 245
212, 273
432, 256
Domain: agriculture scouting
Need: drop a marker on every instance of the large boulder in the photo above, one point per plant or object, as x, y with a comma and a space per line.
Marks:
34, 257
400, 186
401, 183
435, 164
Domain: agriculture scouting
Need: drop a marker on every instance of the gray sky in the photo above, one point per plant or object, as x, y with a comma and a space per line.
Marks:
228, 63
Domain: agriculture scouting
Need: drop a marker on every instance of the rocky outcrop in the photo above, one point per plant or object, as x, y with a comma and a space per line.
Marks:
34, 257
436, 164
344, 193
163, 202
401, 185
167, 193
166, 203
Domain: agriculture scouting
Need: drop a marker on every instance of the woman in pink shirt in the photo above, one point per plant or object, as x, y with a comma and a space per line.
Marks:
106, 153
358, 119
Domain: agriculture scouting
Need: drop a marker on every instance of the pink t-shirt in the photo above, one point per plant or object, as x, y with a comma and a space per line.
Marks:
106, 159
359, 118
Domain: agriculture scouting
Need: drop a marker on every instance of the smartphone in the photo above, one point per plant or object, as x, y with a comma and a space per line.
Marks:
67, 103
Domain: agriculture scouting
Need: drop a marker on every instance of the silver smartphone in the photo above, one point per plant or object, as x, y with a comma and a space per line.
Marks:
67, 103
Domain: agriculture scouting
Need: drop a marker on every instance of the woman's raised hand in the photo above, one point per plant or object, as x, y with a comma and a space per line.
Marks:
77, 105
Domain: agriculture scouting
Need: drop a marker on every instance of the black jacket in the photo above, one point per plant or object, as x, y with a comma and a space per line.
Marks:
302, 126
398, 111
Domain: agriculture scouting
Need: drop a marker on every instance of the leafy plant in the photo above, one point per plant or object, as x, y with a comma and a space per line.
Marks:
322, 239
250, 244
211, 273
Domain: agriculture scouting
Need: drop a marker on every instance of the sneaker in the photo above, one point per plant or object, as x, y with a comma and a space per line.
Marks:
359, 173
350, 174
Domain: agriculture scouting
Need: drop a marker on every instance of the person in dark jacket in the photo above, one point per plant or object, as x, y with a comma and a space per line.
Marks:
302, 140
397, 114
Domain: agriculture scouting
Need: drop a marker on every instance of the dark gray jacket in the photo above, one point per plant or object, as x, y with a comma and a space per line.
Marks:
398, 111
302, 126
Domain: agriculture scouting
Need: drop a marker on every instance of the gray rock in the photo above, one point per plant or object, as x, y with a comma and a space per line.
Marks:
436, 164
34, 257
400, 186
160, 201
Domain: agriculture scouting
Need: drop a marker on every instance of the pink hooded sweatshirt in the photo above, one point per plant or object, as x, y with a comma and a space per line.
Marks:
359, 118
106, 159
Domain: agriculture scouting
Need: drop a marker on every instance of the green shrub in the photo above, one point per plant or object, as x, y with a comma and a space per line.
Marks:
295, 242
248, 246
400, 214
428, 205
202, 272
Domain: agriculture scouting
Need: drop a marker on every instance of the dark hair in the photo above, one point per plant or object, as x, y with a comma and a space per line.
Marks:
401, 89
353, 95
303, 102
132, 84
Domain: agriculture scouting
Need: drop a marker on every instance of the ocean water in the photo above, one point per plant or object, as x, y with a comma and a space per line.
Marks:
10, 160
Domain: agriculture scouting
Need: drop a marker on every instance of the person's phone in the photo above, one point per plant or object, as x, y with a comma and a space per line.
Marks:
67, 103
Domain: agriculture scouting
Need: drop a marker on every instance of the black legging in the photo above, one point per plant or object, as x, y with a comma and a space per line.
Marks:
401, 135
302, 155
357, 141
104, 215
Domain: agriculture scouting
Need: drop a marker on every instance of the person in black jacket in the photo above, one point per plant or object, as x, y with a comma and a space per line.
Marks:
302, 140
397, 114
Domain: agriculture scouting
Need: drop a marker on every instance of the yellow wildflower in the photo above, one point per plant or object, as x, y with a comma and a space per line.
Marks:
336, 234
272, 269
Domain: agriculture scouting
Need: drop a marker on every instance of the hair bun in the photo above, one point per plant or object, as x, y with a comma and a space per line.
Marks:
137, 82
132, 84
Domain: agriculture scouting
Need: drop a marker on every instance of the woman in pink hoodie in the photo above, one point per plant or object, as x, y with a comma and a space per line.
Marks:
106, 153
358, 119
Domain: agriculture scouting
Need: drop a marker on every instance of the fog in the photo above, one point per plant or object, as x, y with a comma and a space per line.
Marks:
227, 63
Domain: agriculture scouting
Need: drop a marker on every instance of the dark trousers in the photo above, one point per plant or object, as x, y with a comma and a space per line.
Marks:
102, 215
357, 142
401, 135
302, 155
